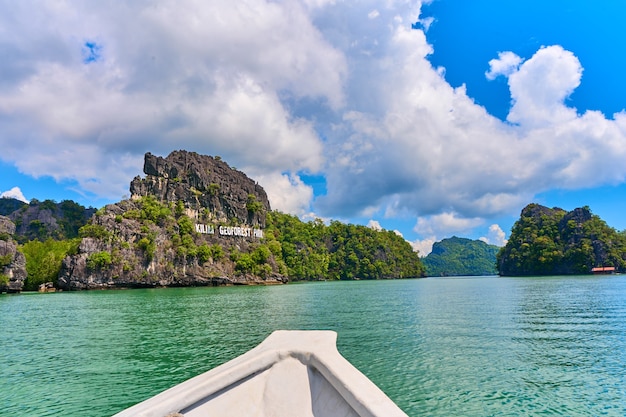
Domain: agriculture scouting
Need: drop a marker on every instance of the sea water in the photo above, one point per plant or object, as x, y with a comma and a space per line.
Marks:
466, 346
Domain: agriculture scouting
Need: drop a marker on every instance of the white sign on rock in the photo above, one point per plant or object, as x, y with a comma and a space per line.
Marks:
205, 229
208, 229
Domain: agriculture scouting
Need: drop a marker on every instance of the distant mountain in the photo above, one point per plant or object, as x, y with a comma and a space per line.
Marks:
9, 205
552, 241
41, 220
459, 256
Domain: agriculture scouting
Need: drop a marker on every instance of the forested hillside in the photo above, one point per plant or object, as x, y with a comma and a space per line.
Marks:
459, 256
553, 241
314, 251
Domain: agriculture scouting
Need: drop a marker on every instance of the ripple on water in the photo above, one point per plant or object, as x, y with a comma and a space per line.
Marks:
438, 347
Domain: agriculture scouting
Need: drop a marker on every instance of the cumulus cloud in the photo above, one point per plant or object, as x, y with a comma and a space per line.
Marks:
426, 23
506, 64
343, 89
87, 88
423, 246
373, 224
430, 149
287, 193
540, 86
496, 236
14, 192
445, 224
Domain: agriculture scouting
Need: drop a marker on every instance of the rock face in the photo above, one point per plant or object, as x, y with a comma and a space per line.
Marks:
203, 183
6, 226
12, 262
191, 221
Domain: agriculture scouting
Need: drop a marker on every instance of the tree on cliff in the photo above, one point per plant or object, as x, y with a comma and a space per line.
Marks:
548, 241
44, 259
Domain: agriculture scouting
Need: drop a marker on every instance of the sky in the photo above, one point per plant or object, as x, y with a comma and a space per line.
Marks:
434, 119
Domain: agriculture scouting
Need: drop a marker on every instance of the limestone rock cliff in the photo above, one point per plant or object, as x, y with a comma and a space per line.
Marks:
192, 220
203, 183
12, 262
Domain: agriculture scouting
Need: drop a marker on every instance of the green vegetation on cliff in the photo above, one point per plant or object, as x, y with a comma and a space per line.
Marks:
459, 256
314, 251
132, 237
44, 259
144, 242
548, 241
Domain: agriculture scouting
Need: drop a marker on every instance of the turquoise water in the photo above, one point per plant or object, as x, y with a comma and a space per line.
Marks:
483, 346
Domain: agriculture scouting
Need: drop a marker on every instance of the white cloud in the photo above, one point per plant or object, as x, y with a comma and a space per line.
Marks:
540, 86
506, 64
429, 149
204, 77
287, 193
435, 227
373, 224
14, 192
496, 236
315, 4
424, 246
426, 23
282, 88
445, 224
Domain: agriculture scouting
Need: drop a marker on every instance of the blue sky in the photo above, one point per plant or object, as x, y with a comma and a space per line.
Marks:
433, 119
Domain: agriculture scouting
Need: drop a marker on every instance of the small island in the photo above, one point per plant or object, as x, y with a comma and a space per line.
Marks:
552, 241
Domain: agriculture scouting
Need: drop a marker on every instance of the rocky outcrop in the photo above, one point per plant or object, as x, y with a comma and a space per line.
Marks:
191, 221
12, 262
203, 183
46, 287
7, 227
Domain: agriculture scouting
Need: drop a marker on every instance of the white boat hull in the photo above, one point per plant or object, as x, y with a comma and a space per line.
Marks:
292, 373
